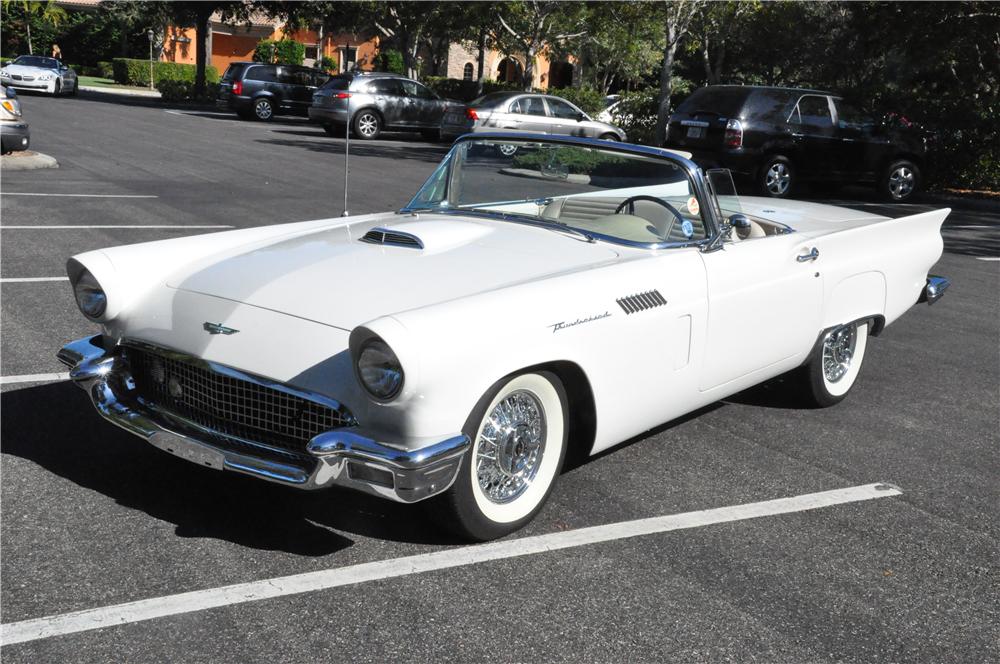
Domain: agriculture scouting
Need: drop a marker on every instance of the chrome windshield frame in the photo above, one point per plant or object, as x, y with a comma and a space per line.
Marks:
694, 173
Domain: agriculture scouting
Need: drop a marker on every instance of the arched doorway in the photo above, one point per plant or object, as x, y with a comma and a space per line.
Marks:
509, 70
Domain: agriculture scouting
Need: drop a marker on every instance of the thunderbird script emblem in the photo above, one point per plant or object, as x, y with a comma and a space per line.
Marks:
217, 328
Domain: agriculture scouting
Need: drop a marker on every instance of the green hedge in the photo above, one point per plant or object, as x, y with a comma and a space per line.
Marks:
589, 100
465, 91
283, 51
129, 71
174, 90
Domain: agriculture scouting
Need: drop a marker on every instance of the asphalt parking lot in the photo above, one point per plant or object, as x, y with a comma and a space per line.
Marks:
93, 518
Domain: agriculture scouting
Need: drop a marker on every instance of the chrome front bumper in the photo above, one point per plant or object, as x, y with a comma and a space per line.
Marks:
341, 457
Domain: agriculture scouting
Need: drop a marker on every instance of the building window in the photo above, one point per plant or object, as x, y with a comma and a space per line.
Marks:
467, 71
311, 51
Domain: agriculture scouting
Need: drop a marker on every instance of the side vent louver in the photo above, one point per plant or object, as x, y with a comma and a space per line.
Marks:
636, 303
385, 236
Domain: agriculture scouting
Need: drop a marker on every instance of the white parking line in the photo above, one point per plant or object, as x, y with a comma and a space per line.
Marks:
33, 378
22, 280
199, 600
25, 193
63, 228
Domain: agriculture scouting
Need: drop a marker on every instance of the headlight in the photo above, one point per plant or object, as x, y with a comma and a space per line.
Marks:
90, 297
45, 77
379, 370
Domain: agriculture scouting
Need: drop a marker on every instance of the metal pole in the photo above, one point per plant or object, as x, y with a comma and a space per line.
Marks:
150, 64
347, 152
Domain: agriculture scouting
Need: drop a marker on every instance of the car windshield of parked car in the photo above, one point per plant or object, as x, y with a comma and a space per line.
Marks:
36, 61
607, 194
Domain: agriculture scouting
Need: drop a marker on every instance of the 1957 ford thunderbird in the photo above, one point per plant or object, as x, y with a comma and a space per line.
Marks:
566, 293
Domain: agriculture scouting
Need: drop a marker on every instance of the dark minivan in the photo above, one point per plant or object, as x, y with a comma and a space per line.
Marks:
780, 137
257, 90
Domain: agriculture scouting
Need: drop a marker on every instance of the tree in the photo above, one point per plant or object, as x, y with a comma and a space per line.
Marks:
198, 15
529, 26
624, 43
45, 12
712, 29
677, 16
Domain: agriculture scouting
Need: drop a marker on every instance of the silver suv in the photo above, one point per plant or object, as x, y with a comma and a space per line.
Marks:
377, 101
525, 111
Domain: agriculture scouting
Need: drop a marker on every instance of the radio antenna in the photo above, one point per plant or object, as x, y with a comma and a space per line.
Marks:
347, 151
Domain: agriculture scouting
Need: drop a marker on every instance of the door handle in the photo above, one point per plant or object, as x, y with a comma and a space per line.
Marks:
811, 256
849, 140
797, 135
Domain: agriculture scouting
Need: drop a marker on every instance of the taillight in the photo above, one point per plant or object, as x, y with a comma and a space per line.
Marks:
238, 88
471, 114
734, 134
342, 95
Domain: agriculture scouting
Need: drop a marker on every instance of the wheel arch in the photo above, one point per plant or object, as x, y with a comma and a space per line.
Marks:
370, 107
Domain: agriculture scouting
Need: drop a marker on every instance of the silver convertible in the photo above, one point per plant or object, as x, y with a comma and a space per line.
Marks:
569, 294
37, 72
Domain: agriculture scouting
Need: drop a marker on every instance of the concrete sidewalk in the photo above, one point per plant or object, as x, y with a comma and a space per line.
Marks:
137, 92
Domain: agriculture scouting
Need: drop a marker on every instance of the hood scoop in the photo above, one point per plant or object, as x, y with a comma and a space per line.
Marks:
393, 238
429, 235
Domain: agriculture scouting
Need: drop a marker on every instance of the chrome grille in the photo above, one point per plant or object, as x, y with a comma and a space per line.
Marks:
231, 405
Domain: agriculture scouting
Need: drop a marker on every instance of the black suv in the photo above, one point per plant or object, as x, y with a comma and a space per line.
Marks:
783, 136
259, 90
377, 101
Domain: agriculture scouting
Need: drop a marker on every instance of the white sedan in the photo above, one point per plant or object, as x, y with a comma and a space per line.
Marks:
573, 295
36, 72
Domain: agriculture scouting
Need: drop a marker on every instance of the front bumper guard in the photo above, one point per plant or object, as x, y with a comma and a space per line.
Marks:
342, 457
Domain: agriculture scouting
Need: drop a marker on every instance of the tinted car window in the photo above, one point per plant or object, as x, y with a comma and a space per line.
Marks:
769, 103
528, 106
850, 116
724, 101
294, 76
561, 109
233, 72
265, 73
385, 86
491, 99
813, 110
337, 83
414, 89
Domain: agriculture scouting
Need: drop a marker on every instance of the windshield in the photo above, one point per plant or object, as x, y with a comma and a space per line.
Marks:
602, 192
36, 61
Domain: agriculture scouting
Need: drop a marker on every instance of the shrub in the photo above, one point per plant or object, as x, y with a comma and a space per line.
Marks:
391, 61
453, 88
589, 100
105, 70
127, 71
283, 51
329, 64
636, 114
174, 90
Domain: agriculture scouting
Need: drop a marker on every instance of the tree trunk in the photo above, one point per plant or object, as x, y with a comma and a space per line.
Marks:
27, 27
666, 84
481, 60
528, 73
202, 37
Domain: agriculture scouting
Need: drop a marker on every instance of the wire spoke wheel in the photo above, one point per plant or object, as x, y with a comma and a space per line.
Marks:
510, 447
838, 352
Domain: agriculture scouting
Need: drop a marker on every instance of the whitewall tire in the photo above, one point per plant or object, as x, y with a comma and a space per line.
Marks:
834, 367
518, 432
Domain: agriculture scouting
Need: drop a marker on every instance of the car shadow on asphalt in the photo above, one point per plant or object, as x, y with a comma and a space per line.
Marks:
54, 426
419, 152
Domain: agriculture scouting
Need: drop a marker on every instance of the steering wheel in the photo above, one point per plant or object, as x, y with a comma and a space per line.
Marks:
630, 204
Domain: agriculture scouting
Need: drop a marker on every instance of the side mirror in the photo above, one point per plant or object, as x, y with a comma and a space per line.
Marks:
581, 116
63, 68
740, 222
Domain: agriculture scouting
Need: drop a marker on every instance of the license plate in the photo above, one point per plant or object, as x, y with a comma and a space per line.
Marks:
188, 449
453, 118
695, 132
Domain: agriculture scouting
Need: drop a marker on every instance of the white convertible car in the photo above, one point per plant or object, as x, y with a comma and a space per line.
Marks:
37, 72
573, 295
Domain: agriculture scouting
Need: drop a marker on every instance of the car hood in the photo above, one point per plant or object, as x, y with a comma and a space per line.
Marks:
333, 276
31, 71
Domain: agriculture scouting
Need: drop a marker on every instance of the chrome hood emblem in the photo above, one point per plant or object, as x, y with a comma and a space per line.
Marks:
218, 328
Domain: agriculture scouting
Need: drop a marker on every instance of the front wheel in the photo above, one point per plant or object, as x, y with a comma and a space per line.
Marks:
609, 137
57, 88
518, 432
833, 369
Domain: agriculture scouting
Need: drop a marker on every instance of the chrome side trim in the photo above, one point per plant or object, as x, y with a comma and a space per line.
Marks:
934, 289
405, 471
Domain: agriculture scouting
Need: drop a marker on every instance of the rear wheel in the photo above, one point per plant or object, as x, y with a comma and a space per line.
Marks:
367, 125
518, 432
608, 137
832, 371
76, 88
900, 181
777, 177
507, 149
263, 109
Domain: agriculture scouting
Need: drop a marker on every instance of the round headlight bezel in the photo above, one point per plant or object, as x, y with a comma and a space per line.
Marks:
90, 297
374, 365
